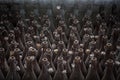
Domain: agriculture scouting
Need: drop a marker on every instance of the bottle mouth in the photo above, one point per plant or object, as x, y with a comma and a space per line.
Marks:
76, 42
12, 58
48, 50
61, 42
80, 49
44, 59
59, 28
87, 35
11, 35
17, 50
42, 35
77, 59
96, 50
60, 58
65, 50
109, 44
30, 58
72, 34
93, 42
57, 35
105, 36
44, 44
32, 49
29, 42
13, 42
112, 52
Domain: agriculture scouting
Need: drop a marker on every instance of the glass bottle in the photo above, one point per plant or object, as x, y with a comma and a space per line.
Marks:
60, 73
72, 37
4, 65
92, 71
108, 73
75, 46
83, 66
29, 73
77, 73
45, 75
88, 57
18, 37
33, 52
13, 74
97, 54
18, 55
49, 56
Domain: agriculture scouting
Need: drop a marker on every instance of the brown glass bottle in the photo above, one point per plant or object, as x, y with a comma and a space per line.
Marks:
4, 65
13, 74
77, 73
18, 55
45, 75
49, 56
29, 74
61, 72
2, 77
108, 74
92, 71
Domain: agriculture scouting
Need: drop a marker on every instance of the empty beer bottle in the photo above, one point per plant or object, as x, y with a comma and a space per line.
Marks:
77, 73
29, 73
18, 55
92, 71
4, 64
45, 75
13, 74
60, 72
108, 73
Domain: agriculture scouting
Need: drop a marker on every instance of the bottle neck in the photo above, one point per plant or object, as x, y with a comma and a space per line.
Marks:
109, 70
60, 66
77, 66
44, 68
12, 67
29, 66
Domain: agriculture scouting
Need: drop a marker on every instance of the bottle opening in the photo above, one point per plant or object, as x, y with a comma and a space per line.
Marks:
44, 59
